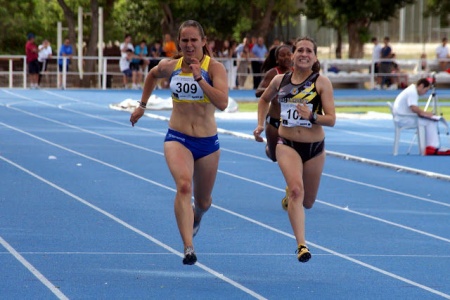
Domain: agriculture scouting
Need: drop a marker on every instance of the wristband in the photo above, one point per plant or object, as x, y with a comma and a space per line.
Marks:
313, 118
198, 78
142, 105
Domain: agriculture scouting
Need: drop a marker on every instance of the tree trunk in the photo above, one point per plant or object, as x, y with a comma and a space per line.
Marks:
339, 44
355, 38
91, 48
167, 24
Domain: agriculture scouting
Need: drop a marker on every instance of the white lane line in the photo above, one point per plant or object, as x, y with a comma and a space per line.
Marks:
251, 137
134, 229
253, 181
223, 149
223, 254
32, 269
204, 267
256, 182
336, 206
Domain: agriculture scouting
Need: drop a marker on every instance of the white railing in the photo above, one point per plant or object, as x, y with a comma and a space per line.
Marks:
344, 72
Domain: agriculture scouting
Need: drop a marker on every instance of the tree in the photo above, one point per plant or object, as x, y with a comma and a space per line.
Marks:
92, 40
221, 19
17, 20
440, 8
354, 16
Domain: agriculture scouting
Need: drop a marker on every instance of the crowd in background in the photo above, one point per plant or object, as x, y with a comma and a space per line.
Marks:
244, 59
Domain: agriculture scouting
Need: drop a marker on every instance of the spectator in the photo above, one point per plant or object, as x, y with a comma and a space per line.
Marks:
155, 54
399, 79
31, 51
442, 55
243, 66
125, 55
276, 43
240, 47
169, 47
259, 50
65, 56
212, 48
45, 53
376, 55
124, 64
233, 57
422, 65
386, 63
139, 63
226, 54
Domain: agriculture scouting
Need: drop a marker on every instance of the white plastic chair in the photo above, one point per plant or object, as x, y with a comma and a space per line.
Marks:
420, 130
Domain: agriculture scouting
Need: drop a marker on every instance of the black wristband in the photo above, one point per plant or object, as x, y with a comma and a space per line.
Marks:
198, 78
313, 118
142, 105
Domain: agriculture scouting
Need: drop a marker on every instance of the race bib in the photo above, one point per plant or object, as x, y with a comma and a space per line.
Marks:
186, 88
290, 116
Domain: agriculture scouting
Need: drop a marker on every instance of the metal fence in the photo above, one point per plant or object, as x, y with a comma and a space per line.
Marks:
351, 73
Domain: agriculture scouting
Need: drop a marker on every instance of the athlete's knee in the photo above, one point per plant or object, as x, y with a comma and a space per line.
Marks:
203, 204
296, 193
308, 204
184, 186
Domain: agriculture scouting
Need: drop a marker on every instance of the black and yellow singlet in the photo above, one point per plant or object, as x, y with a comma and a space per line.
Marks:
289, 95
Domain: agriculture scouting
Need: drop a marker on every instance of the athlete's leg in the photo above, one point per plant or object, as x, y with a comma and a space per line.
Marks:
181, 165
291, 166
272, 139
205, 171
312, 172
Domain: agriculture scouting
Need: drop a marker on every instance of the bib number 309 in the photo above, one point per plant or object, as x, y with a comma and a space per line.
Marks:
187, 88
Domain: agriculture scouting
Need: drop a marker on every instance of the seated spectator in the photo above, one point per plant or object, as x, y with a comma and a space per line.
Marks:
407, 103
422, 65
399, 79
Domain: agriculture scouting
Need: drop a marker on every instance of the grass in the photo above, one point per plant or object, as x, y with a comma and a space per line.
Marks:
382, 108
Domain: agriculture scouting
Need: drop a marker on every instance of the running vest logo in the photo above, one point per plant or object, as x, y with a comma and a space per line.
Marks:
291, 100
177, 137
294, 91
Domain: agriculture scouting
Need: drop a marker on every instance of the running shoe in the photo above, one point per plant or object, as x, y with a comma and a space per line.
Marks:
189, 256
303, 254
284, 201
196, 223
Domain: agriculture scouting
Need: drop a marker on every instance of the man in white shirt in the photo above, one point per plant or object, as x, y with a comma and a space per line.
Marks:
45, 53
126, 47
442, 55
407, 103
376, 54
124, 65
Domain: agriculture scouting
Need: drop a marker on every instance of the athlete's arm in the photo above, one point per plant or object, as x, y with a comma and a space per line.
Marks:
218, 92
325, 90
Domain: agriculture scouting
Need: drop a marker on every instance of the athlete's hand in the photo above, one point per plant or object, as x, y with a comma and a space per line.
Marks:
304, 111
136, 115
195, 67
257, 133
